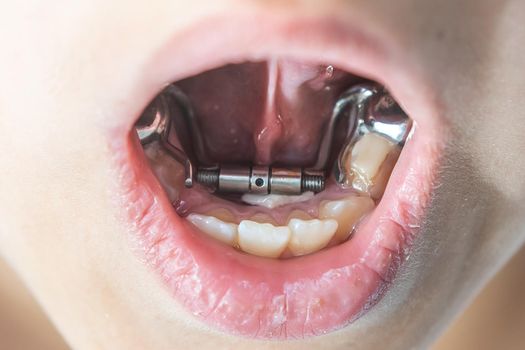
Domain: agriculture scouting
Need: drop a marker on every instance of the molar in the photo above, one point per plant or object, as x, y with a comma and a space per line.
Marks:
383, 175
264, 240
218, 229
365, 160
347, 212
311, 235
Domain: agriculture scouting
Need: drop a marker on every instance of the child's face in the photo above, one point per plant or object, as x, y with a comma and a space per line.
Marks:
79, 207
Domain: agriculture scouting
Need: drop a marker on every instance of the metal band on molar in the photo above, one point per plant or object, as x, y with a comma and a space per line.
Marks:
372, 110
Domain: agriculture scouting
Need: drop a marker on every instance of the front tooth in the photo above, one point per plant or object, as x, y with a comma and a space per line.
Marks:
311, 235
218, 229
347, 212
264, 240
366, 158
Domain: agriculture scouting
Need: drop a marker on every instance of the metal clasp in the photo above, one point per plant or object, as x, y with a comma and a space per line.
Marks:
367, 107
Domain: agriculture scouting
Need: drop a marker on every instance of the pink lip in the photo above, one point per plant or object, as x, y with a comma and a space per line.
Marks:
295, 298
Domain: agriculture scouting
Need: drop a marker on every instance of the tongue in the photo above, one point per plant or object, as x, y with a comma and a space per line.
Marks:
265, 113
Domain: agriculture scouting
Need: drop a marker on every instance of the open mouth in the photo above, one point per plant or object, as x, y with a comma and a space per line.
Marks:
228, 130
251, 247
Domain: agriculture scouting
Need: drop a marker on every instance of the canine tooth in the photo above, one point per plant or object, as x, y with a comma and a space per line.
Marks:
347, 212
366, 158
222, 214
264, 240
272, 201
218, 229
311, 235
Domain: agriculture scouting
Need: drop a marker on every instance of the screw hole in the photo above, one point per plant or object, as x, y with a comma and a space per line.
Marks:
259, 182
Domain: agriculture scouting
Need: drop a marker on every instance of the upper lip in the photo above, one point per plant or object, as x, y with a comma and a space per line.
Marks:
303, 296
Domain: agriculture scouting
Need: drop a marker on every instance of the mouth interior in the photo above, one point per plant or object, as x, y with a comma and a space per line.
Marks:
274, 113
263, 113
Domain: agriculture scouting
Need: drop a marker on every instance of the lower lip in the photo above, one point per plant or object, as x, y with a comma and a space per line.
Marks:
277, 299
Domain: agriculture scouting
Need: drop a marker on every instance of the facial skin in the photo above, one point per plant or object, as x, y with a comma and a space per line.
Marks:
70, 71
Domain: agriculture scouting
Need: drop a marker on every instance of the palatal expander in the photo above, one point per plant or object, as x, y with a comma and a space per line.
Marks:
377, 129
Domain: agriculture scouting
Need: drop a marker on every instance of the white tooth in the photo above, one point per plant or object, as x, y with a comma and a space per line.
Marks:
264, 240
382, 177
218, 229
309, 236
272, 201
347, 212
366, 158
